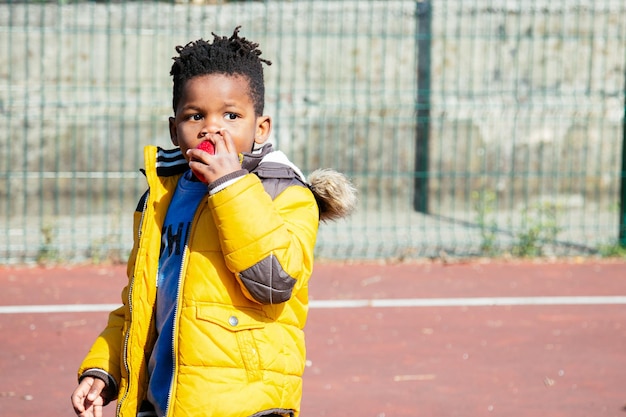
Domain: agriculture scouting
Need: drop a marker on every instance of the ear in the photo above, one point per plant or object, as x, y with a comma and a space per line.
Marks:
173, 133
263, 129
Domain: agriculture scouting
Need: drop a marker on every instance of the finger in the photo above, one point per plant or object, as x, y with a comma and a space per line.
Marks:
198, 155
78, 404
80, 394
200, 170
220, 141
96, 389
97, 410
228, 141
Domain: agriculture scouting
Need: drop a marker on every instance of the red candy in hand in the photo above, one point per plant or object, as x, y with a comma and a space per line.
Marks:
207, 146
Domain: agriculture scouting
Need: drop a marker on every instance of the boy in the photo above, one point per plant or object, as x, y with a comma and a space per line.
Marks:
218, 276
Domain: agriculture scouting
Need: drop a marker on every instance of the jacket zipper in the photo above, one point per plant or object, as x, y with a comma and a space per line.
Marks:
130, 310
143, 214
181, 276
183, 267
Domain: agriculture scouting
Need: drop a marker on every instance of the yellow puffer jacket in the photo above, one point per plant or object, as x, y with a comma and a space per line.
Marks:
236, 353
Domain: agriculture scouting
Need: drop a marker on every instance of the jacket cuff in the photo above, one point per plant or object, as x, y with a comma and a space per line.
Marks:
109, 393
223, 182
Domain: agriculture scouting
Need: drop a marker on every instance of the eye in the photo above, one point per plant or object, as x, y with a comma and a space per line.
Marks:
231, 116
196, 117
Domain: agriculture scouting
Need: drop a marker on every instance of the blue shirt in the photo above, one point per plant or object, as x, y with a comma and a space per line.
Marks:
174, 236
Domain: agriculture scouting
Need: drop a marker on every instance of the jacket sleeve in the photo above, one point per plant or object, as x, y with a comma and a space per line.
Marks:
105, 353
268, 244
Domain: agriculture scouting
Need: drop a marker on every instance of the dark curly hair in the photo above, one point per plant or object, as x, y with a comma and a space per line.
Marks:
229, 56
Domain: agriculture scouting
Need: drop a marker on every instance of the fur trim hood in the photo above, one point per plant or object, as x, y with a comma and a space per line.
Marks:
336, 196
334, 193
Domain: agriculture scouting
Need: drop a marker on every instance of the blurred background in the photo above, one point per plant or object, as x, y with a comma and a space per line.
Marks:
471, 128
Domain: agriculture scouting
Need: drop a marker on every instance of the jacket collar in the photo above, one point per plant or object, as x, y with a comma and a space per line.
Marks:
251, 160
171, 162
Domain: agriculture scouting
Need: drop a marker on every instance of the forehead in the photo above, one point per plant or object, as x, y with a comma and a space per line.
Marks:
217, 85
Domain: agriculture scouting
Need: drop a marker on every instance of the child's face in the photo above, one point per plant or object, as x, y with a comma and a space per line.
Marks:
212, 105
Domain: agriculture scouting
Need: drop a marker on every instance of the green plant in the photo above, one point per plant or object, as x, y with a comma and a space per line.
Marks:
484, 203
539, 226
612, 250
104, 250
47, 252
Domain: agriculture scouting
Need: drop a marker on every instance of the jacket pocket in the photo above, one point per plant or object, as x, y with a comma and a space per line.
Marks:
237, 329
232, 318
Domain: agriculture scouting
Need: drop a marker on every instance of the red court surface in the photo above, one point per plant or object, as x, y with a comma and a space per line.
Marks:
533, 357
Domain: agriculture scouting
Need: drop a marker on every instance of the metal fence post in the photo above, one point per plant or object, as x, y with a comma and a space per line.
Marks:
424, 36
622, 209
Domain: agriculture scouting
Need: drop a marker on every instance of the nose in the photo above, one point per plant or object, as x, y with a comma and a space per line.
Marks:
210, 125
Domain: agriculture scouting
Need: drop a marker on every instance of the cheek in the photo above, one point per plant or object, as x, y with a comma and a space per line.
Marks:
187, 137
244, 145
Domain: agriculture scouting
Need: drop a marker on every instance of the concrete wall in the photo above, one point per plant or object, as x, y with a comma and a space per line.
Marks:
533, 93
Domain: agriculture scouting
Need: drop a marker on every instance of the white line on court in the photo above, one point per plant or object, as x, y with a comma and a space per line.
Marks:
470, 302
382, 303
60, 308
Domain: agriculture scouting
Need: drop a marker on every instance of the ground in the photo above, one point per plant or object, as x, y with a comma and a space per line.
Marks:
501, 338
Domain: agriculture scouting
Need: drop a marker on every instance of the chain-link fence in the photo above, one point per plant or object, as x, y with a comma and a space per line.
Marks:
470, 127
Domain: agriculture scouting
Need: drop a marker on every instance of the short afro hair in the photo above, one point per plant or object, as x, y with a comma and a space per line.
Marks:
229, 56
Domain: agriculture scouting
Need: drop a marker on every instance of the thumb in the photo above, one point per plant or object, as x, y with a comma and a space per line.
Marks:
96, 389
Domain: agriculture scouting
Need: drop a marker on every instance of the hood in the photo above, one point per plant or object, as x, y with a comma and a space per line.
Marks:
336, 196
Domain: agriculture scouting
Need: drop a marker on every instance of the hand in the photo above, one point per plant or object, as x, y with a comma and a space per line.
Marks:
212, 167
87, 398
